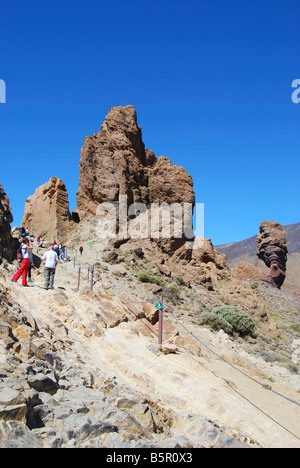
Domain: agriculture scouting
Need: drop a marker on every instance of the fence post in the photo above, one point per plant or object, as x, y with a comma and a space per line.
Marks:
160, 324
92, 278
79, 273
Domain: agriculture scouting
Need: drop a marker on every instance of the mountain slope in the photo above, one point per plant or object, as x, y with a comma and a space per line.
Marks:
82, 368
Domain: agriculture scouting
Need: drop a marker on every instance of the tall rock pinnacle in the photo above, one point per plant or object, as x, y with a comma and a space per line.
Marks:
272, 249
115, 163
47, 211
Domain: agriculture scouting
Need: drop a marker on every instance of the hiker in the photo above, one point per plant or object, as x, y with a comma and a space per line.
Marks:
81, 250
31, 264
51, 260
63, 253
55, 247
26, 246
38, 241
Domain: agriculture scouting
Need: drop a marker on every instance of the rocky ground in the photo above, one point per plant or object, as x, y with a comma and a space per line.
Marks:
82, 368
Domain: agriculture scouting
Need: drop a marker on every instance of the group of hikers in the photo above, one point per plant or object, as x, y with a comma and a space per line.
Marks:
50, 259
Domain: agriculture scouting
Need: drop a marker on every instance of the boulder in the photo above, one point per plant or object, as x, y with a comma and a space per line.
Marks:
47, 213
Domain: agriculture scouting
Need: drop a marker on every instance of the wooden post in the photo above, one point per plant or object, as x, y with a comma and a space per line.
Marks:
92, 278
160, 324
79, 273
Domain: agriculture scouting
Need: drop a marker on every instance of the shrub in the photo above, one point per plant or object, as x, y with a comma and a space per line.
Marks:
148, 277
174, 290
179, 279
231, 319
296, 328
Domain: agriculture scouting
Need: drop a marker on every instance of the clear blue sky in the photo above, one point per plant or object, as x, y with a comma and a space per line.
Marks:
211, 82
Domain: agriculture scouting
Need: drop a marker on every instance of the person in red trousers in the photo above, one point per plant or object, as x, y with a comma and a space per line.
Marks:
23, 270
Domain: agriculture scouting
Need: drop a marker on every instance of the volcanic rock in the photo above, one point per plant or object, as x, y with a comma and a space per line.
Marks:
245, 271
6, 240
115, 163
47, 211
272, 249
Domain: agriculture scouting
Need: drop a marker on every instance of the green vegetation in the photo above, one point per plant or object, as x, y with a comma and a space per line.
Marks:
173, 289
147, 277
296, 328
179, 279
231, 319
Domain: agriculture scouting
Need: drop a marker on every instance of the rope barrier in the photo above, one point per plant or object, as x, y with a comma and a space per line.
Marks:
231, 365
267, 387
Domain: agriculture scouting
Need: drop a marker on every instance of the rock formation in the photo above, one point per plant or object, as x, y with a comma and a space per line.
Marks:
6, 240
115, 163
272, 249
47, 211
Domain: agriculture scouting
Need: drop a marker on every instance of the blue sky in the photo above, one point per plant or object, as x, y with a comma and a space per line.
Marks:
211, 83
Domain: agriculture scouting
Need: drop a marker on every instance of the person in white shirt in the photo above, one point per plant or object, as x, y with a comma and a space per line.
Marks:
51, 260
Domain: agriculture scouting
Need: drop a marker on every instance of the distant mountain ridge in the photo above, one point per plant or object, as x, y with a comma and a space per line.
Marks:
245, 251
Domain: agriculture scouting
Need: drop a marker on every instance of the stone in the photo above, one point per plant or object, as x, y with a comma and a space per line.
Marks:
168, 348
29, 320
203, 252
14, 434
82, 427
46, 212
13, 412
9, 397
43, 383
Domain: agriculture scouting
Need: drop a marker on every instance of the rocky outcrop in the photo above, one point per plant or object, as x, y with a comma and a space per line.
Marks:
47, 213
115, 163
6, 240
272, 249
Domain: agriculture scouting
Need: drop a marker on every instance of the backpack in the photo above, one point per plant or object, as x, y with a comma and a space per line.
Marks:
20, 254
